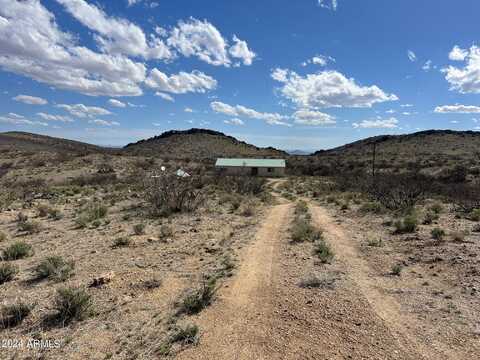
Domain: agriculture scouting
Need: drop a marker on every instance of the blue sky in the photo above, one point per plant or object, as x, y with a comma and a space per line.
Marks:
304, 74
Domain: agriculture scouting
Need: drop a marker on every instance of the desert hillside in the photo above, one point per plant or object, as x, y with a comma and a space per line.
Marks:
35, 142
431, 151
199, 144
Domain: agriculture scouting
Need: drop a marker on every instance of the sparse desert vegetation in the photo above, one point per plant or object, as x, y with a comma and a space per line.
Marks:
108, 242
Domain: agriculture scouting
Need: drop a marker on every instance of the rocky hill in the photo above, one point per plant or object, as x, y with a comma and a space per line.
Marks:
199, 144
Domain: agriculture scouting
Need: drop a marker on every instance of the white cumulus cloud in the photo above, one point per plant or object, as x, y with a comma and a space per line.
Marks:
181, 83
458, 54
242, 111
51, 117
465, 79
241, 51
83, 111
164, 96
117, 103
328, 89
117, 35
234, 121
31, 44
103, 122
31, 100
313, 118
458, 109
391, 123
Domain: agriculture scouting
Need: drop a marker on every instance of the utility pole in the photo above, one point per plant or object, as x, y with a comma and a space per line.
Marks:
374, 155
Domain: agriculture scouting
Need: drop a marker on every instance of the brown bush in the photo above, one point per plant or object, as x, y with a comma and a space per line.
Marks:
169, 193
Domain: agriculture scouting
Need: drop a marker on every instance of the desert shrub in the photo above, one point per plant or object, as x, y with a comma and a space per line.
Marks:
196, 300
396, 270
3, 237
91, 213
312, 281
301, 208
303, 231
406, 225
54, 268
475, 215
234, 200
323, 251
247, 210
437, 234
14, 314
165, 232
458, 236
43, 210
17, 250
123, 241
7, 272
94, 179
72, 304
244, 185
375, 242
436, 208
344, 206
399, 192
186, 335
168, 194
429, 218
139, 229
21, 217
29, 227
373, 207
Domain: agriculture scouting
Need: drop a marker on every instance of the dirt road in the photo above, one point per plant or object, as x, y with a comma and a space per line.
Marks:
263, 313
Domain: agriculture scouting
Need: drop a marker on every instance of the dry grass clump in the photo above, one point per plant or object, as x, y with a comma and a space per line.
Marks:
72, 304
30, 227
198, 299
139, 229
123, 241
54, 268
438, 234
165, 232
323, 251
312, 281
406, 225
48, 211
7, 272
14, 314
93, 212
17, 250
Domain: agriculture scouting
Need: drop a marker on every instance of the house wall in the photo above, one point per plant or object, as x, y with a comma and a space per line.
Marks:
247, 171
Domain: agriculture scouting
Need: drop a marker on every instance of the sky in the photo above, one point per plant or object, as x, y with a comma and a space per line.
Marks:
304, 74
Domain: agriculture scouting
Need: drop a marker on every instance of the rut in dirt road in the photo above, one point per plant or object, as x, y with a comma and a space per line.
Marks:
399, 322
236, 327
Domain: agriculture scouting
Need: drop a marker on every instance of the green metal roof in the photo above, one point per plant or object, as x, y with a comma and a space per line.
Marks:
271, 163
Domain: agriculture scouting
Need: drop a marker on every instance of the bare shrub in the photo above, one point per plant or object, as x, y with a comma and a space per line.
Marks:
399, 192
54, 268
244, 185
168, 194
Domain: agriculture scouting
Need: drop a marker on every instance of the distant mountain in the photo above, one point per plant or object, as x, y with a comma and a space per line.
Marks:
199, 144
35, 142
298, 152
